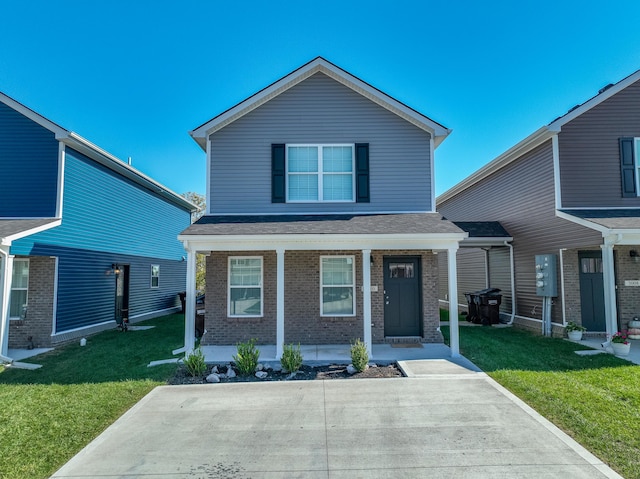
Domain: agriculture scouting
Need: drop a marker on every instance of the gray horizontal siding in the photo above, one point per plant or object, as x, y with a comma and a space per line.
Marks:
589, 152
29, 173
500, 275
320, 110
521, 197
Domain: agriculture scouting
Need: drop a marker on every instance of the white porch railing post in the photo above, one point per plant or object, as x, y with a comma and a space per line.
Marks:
6, 271
366, 297
190, 304
454, 338
280, 303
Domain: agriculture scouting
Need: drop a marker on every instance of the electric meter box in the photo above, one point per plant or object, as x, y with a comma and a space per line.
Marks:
546, 275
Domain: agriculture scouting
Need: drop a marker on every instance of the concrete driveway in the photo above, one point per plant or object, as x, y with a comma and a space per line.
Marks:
445, 421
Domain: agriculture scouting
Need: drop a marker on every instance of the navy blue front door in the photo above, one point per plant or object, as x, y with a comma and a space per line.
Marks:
402, 296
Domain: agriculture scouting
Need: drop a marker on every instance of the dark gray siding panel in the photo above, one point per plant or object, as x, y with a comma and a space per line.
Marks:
320, 110
590, 152
521, 197
29, 159
500, 275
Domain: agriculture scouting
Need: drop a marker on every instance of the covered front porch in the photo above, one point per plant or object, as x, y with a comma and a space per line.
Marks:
288, 249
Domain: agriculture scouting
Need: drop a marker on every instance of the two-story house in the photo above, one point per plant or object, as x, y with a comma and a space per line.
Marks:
320, 225
85, 239
569, 190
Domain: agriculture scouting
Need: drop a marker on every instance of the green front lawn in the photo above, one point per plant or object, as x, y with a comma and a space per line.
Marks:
48, 415
595, 399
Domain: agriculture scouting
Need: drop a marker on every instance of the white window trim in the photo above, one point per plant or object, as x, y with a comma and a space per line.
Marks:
152, 276
320, 173
19, 260
352, 286
229, 287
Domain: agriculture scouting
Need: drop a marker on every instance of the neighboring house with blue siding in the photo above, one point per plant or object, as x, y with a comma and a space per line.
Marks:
320, 225
85, 239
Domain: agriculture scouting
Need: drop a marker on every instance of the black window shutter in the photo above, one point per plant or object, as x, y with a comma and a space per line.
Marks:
628, 167
362, 173
278, 174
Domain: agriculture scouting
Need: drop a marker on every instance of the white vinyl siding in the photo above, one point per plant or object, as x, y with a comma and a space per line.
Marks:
337, 286
245, 286
322, 173
19, 289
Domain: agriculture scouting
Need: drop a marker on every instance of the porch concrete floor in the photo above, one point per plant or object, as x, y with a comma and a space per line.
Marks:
596, 343
340, 353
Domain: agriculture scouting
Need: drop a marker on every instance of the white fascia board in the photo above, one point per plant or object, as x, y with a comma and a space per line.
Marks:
7, 240
319, 242
319, 65
479, 242
32, 115
105, 158
582, 222
534, 140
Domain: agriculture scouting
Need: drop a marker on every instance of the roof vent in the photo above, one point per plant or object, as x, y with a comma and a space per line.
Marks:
605, 88
573, 108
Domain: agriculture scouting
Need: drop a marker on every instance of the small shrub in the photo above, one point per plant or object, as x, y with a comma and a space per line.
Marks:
291, 358
194, 363
246, 358
359, 355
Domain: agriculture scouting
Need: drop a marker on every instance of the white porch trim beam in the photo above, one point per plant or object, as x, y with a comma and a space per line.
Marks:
280, 303
366, 297
6, 271
454, 338
190, 304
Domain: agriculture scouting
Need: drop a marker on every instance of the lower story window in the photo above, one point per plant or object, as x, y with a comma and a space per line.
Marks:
19, 289
245, 286
155, 275
337, 290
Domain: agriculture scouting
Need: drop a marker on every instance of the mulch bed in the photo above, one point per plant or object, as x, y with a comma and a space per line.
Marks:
306, 373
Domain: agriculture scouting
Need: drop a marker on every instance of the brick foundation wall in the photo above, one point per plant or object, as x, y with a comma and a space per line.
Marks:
303, 323
38, 322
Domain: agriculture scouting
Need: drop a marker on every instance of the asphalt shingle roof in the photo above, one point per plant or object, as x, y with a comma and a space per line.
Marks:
612, 218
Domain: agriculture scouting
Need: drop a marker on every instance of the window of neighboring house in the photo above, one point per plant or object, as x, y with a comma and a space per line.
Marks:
320, 173
337, 289
245, 286
19, 289
155, 275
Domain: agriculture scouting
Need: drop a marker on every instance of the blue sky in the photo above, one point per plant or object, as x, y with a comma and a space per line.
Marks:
135, 76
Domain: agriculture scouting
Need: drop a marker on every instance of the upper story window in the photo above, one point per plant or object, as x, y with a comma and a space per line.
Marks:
320, 173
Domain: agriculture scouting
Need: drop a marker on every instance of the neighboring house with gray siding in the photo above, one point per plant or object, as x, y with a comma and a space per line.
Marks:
320, 225
570, 189
85, 239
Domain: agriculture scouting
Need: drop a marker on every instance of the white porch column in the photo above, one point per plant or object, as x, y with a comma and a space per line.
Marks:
366, 297
608, 277
454, 339
190, 304
6, 271
280, 303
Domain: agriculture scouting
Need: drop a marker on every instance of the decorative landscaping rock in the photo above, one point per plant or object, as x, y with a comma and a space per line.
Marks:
215, 370
351, 369
262, 374
260, 367
213, 378
230, 372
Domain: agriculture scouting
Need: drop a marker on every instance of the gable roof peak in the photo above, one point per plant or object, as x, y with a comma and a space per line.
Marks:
319, 65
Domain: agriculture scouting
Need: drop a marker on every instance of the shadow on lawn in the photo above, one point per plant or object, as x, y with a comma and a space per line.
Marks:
494, 349
108, 356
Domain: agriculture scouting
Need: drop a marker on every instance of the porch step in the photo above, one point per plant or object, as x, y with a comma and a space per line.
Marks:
403, 339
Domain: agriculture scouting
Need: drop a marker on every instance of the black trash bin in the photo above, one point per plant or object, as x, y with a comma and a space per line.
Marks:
472, 307
183, 296
489, 305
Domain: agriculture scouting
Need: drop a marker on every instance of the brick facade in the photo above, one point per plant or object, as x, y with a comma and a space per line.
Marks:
627, 268
303, 322
35, 330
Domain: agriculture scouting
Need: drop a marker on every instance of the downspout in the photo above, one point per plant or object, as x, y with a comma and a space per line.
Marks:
564, 303
4, 313
513, 282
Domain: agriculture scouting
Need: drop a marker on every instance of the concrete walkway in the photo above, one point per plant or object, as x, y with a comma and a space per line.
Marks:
445, 420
